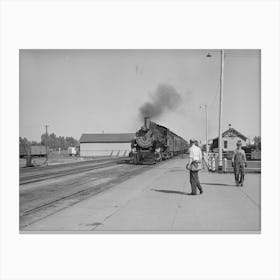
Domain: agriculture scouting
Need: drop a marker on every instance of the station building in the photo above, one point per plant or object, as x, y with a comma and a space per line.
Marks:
104, 144
229, 140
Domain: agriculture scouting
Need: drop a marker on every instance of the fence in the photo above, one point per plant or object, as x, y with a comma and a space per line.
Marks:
212, 162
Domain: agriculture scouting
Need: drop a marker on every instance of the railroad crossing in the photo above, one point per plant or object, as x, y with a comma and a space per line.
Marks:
153, 199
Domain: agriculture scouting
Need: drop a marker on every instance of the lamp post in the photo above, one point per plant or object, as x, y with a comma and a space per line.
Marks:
220, 159
220, 167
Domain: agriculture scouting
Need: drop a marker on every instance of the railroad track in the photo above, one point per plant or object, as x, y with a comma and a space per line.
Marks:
68, 198
57, 171
47, 199
24, 170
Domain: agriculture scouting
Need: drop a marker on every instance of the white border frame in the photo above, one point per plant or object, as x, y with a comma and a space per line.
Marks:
155, 24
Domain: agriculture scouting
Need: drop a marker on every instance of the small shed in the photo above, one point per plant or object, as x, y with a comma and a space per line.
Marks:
105, 144
229, 139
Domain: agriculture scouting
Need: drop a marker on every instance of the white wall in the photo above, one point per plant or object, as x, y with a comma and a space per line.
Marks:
231, 145
104, 149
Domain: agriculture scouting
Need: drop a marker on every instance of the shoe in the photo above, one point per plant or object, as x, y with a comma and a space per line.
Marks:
191, 193
241, 185
201, 192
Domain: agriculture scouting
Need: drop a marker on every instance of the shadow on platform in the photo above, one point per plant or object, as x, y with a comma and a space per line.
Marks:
217, 184
170, 191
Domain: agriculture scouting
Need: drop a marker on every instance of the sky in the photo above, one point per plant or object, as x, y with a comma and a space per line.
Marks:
95, 91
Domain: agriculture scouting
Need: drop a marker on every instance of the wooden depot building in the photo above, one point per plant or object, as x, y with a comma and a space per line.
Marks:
229, 139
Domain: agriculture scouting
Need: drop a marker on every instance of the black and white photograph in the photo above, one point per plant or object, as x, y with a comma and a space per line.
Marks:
140, 140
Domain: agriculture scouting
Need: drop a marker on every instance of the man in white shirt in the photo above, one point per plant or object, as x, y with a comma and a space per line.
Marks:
195, 159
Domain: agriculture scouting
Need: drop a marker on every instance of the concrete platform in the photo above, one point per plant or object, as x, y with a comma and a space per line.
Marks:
157, 201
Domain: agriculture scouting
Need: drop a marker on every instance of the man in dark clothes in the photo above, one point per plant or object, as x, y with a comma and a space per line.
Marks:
239, 163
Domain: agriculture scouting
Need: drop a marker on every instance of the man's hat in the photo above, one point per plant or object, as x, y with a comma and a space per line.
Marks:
192, 140
238, 143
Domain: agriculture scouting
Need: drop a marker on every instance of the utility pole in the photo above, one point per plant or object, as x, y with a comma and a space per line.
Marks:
220, 167
206, 126
220, 158
46, 145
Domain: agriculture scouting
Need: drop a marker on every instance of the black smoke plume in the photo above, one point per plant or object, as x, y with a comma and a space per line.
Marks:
165, 98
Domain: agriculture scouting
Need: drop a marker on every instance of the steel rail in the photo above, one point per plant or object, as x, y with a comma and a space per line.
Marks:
60, 173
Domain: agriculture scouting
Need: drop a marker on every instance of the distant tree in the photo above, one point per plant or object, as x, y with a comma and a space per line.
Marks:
71, 142
61, 142
256, 145
24, 141
56, 142
43, 139
257, 142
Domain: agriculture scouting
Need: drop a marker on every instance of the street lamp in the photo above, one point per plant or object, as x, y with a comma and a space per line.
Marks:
220, 165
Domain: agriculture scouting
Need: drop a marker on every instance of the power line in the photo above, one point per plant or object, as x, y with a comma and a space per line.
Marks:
237, 51
242, 55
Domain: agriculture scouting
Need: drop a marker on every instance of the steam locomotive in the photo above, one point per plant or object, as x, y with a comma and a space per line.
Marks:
154, 143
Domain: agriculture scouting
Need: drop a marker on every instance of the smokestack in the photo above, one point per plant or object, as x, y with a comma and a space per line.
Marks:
147, 122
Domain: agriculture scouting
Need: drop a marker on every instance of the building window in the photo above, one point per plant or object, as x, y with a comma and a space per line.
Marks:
225, 144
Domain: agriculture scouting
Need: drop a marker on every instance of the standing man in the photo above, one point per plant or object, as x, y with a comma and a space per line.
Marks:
239, 163
194, 166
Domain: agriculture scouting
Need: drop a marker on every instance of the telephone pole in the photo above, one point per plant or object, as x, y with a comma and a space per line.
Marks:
220, 158
205, 107
220, 167
46, 145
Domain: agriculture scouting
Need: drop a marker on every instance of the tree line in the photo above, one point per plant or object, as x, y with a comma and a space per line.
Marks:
257, 143
52, 141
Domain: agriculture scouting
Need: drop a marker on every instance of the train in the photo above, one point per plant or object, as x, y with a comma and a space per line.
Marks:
154, 142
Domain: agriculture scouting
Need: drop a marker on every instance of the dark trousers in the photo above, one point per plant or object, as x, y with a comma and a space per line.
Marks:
239, 173
194, 180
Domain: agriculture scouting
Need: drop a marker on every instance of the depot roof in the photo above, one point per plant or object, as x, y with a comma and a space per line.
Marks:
107, 138
231, 132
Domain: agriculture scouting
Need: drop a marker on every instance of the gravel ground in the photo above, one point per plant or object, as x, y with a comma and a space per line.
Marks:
41, 199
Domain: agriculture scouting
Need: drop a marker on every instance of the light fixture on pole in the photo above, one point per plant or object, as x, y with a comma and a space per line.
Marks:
220, 159
220, 166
